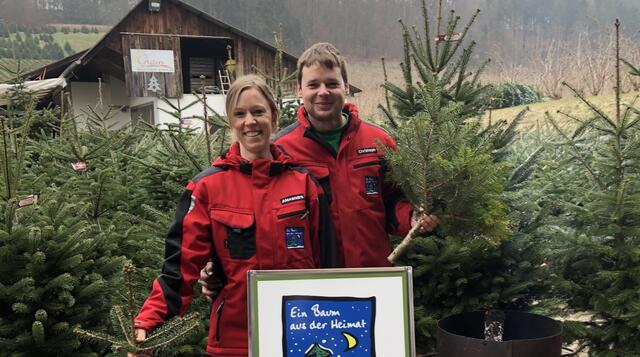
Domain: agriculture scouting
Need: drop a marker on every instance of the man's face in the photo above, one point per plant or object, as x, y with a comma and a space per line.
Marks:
323, 93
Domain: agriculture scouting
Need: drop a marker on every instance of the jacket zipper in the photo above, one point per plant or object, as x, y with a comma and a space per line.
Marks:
303, 214
321, 141
218, 318
369, 163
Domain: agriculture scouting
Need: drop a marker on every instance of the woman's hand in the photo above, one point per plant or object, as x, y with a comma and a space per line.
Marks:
139, 336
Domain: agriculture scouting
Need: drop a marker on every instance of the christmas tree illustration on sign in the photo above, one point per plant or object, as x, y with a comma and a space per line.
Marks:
318, 326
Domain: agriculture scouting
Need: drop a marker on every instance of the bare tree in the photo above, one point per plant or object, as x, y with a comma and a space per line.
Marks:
551, 68
594, 61
631, 53
19, 12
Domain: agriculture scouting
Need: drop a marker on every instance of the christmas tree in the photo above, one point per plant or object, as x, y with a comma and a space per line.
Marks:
58, 267
451, 164
109, 192
157, 341
595, 225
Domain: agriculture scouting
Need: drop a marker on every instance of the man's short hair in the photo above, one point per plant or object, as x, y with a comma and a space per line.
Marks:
324, 54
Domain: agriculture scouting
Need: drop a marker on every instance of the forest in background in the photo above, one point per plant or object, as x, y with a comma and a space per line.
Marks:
537, 43
366, 29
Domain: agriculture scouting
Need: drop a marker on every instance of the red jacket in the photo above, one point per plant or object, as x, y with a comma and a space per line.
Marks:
364, 206
264, 214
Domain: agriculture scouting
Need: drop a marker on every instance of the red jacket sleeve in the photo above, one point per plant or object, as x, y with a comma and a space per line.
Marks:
187, 249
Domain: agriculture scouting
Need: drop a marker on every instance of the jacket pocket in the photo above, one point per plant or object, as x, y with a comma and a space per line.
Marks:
241, 231
218, 318
366, 179
294, 235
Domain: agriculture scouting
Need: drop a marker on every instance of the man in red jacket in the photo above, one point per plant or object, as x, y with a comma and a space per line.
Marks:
345, 153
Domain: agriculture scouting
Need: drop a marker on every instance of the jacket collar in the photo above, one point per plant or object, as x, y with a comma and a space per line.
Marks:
232, 159
349, 108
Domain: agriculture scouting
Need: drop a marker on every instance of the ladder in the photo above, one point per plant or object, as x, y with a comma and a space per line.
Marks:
225, 83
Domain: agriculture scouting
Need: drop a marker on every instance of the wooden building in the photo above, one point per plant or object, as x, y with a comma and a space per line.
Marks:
161, 48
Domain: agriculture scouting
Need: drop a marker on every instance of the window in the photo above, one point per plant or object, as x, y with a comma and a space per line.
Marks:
203, 56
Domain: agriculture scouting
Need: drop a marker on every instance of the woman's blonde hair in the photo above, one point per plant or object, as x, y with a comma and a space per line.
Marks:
248, 82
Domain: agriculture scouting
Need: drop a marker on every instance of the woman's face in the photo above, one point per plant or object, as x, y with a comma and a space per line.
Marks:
252, 121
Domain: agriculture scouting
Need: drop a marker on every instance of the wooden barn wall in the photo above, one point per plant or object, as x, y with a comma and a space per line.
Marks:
174, 19
170, 84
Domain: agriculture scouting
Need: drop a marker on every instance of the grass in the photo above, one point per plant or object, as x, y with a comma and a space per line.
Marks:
368, 76
570, 106
78, 41
12, 66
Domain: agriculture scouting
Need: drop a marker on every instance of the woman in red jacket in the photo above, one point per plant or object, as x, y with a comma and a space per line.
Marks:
252, 209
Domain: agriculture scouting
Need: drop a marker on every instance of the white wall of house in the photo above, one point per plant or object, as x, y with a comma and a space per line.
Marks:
110, 95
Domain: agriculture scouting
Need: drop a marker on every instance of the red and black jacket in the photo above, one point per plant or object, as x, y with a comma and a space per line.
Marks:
265, 214
364, 206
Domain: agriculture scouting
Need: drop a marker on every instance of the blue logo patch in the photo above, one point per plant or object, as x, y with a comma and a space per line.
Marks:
294, 237
371, 185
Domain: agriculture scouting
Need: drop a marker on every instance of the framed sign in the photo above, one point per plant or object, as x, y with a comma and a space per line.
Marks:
364, 312
152, 61
152, 65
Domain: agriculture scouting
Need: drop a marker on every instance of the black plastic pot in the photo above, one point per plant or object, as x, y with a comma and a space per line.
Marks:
525, 335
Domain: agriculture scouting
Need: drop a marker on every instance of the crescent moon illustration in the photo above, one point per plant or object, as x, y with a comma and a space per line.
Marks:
352, 341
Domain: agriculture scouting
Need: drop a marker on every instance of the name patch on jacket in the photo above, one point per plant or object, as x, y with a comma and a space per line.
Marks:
366, 151
371, 185
294, 237
293, 198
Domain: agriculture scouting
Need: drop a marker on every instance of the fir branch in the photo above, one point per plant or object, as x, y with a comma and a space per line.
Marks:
190, 156
123, 323
595, 109
387, 110
438, 21
629, 108
446, 53
476, 76
95, 336
576, 151
388, 116
171, 332
464, 60
465, 31
426, 75
523, 171
425, 16
418, 50
406, 65
5, 154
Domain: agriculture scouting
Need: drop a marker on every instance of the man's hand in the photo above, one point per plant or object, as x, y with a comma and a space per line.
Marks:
427, 223
209, 282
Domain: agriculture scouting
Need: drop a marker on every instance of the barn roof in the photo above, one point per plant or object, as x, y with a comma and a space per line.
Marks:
64, 67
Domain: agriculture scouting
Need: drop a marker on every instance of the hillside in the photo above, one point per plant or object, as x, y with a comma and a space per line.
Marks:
571, 106
8, 66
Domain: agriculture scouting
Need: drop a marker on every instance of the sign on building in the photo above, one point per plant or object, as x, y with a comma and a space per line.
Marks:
152, 61
152, 65
365, 312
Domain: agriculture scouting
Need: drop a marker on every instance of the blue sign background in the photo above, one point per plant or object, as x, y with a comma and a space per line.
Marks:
328, 326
